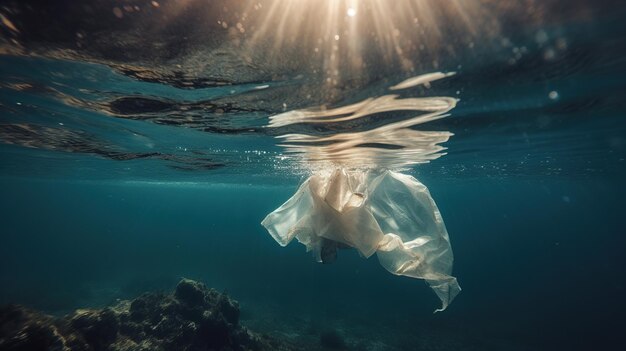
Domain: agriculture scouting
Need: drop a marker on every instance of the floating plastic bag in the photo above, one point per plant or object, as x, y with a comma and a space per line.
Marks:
382, 212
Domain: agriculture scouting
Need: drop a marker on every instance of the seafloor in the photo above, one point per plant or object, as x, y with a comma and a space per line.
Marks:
194, 317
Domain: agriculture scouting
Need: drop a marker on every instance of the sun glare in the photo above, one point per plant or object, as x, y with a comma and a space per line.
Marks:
342, 37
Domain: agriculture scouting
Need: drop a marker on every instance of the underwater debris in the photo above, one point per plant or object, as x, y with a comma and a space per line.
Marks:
382, 212
194, 317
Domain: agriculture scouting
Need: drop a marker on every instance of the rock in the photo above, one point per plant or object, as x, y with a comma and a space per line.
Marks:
24, 330
190, 292
229, 309
98, 327
193, 318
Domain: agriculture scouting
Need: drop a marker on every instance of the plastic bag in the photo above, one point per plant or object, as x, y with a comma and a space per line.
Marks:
384, 212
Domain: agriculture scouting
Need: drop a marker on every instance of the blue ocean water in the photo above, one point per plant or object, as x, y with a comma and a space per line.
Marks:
116, 181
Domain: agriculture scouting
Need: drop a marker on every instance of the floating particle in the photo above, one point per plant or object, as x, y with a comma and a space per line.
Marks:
541, 37
351, 12
549, 54
7, 23
155, 4
336, 36
118, 12
553, 95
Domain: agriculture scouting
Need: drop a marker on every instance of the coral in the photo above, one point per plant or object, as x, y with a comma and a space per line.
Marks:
192, 318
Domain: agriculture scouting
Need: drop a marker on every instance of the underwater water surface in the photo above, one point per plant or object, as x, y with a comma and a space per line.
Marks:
142, 142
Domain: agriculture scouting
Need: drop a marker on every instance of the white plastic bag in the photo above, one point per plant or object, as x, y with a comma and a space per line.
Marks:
382, 212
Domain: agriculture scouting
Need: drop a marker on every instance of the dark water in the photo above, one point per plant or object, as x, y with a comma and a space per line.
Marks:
125, 167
